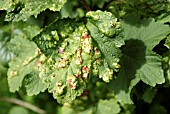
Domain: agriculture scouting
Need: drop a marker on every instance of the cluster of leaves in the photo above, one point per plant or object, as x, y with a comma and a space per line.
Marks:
98, 61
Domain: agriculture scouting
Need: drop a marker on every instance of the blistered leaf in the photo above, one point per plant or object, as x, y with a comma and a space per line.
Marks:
105, 22
108, 46
67, 68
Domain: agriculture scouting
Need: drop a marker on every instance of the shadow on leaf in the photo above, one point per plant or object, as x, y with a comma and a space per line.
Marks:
132, 59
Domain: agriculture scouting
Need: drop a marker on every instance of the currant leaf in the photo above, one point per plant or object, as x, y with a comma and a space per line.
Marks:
23, 9
23, 64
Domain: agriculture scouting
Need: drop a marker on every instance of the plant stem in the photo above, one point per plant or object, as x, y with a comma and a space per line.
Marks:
85, 5
23, 104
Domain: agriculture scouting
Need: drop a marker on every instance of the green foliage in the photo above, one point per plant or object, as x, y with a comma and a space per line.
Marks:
5, 54
72, 9
94, 57
18, 110
23, 9
23, 64
108, 106
148, 95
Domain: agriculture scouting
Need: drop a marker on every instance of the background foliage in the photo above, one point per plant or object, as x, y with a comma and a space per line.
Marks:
85, 56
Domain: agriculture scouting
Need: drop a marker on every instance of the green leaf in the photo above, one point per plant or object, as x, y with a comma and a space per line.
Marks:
34, 84
105, 22
99, 3
5, 54
49, 38
136, 64
109, 47
127, 109
3, 70
27, 8
157, 109
18, 110
167, 42
165, 19
149, 95
67, 66
151, 72
71, 9
31, 31
148, 31
23, 64
68, 110
5, 4
166, 66
132, 59
110, 106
